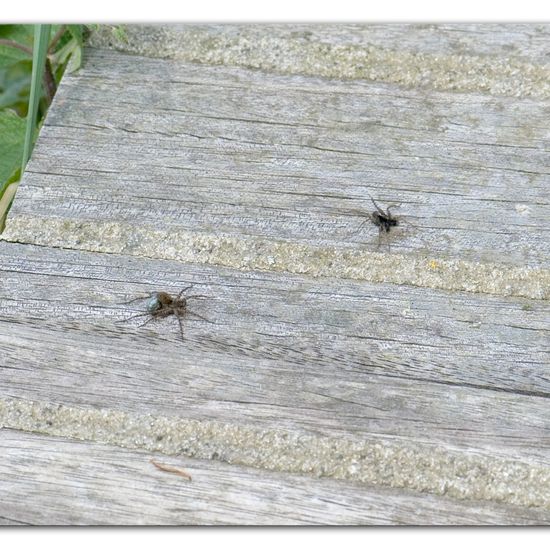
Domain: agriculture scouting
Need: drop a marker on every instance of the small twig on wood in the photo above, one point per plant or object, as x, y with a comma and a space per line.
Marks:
172, 469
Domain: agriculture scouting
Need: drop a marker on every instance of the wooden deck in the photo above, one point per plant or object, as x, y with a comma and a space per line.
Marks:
330, 381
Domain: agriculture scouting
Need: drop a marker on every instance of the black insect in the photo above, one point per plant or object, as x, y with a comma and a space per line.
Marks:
162, 304
383, 220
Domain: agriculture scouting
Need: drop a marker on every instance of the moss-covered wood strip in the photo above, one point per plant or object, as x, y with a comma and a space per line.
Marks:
253, 253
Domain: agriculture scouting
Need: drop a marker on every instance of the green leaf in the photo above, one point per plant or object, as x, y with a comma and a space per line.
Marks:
6, 199
70, 54
75, 60
76, 31
63, 53
10, 55
15, 82
12, 137
61, 56
119, 32
24, 34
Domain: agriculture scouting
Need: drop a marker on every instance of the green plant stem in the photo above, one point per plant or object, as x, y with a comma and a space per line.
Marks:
40, 49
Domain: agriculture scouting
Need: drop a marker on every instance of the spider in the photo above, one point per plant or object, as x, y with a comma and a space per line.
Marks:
162, 304
384, 220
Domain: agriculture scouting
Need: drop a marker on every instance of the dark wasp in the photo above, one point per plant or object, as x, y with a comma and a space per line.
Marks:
162, 304
383, 220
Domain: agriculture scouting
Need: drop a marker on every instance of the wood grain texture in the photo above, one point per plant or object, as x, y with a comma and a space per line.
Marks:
497, 59
144, 166
526, 41
76, 483
233, 152
333, 357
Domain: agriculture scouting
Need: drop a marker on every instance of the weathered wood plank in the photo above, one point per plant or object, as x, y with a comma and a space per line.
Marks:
234, 152
359, 360
251, 186
509, 59
527, 41
48, 480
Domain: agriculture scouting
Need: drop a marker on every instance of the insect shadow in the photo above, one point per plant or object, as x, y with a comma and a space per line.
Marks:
162, 304
384, 220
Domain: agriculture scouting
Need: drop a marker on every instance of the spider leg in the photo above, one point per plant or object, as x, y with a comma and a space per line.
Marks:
182, 291
401, 220
390, 207
197, 296
181, 325
132, 317
361, 226
148, 321
134, 300
379, 237
377, 207
199, 316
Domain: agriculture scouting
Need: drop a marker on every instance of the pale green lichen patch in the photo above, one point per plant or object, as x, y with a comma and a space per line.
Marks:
295, 53
407, 465
255, 253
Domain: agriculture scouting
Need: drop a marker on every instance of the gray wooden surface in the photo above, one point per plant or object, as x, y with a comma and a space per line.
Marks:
110, 485
416, 364
301, 156
409, 383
